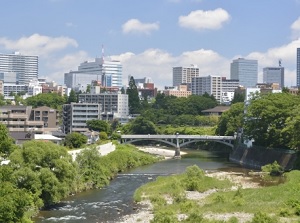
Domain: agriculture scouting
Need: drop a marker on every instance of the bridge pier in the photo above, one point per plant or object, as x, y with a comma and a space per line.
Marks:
177, 150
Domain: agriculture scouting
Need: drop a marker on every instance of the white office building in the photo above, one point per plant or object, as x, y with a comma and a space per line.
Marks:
210, 84
22, 67
228, 88
245, 71
109, 72
114, 105
274, 75
10, 88
184, 75
75, 116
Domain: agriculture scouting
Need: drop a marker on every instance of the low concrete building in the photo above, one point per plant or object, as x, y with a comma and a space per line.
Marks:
17, 119
218, 110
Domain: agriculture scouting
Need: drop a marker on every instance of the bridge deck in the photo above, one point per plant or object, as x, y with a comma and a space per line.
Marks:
204, 137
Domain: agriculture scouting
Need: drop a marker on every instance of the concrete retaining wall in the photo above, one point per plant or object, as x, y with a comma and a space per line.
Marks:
257, 157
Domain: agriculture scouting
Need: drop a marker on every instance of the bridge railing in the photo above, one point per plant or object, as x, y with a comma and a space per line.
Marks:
177, 137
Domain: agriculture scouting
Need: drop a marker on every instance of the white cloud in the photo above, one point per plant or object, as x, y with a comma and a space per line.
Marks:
201, 20
158, 64
295, 27
135, 26
287, 53
37, 44
70, 24
59, 66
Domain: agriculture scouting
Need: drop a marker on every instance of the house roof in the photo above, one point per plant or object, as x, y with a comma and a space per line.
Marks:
46, 137
217, 109
21, 135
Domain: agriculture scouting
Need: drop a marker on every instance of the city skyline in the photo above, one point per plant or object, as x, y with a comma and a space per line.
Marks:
152, 37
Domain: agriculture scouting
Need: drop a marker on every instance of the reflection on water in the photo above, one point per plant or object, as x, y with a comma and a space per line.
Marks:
116, 200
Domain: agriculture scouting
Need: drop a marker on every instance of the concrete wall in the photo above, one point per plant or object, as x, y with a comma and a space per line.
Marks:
257, 157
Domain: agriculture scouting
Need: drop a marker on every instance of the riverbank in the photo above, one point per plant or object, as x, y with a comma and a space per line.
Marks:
166, 153
239, 180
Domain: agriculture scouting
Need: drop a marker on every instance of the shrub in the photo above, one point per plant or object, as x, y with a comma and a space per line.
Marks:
274, 169
261, 217
164, 217
195, 217
103, 136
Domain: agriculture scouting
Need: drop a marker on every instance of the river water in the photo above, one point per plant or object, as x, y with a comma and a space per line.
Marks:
111, 203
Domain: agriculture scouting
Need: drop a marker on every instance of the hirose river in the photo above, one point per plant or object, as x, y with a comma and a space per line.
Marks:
111, 203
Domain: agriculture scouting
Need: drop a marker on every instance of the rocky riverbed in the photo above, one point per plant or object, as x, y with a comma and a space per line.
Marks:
144, 214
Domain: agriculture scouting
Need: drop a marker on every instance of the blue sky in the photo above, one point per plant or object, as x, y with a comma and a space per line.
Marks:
150, 37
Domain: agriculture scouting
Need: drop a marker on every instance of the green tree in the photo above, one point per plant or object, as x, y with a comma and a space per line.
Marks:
238, 97
72, 97
91, 168
98, 125
88, 88
52, 100
266, 119
2, 100
44, 169
160, 100
292, 128
231, 120
141, 125
6, 142
123, 90
14, 203
133, 97
75, 140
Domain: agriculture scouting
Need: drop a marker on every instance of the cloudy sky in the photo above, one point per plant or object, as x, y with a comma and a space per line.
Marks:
150, 37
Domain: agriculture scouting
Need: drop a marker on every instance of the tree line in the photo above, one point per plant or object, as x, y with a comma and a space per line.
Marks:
40, 174
270, 120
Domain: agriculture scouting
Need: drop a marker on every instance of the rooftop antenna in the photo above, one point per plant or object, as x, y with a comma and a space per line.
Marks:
102, 53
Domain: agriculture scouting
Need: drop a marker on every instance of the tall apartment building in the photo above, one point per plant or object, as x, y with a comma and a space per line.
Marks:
274, 75
184, 75
245, 71
75, 116
210, 84
108, 72
23, 67
113, 105
298, 67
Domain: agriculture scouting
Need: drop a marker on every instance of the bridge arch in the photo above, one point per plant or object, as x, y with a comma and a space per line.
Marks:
198, 140
157, 140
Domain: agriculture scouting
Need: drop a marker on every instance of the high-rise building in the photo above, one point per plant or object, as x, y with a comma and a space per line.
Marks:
184, 75
210, 84
274, 75
245, 71
108, 72
298, 67
23, 67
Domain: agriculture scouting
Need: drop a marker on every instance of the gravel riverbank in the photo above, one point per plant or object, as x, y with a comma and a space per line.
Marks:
144, 214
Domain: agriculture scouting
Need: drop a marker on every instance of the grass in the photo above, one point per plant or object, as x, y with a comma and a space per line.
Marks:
282, 200
274, 199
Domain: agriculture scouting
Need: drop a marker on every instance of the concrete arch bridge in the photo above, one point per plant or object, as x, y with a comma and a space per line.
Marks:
178, 141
